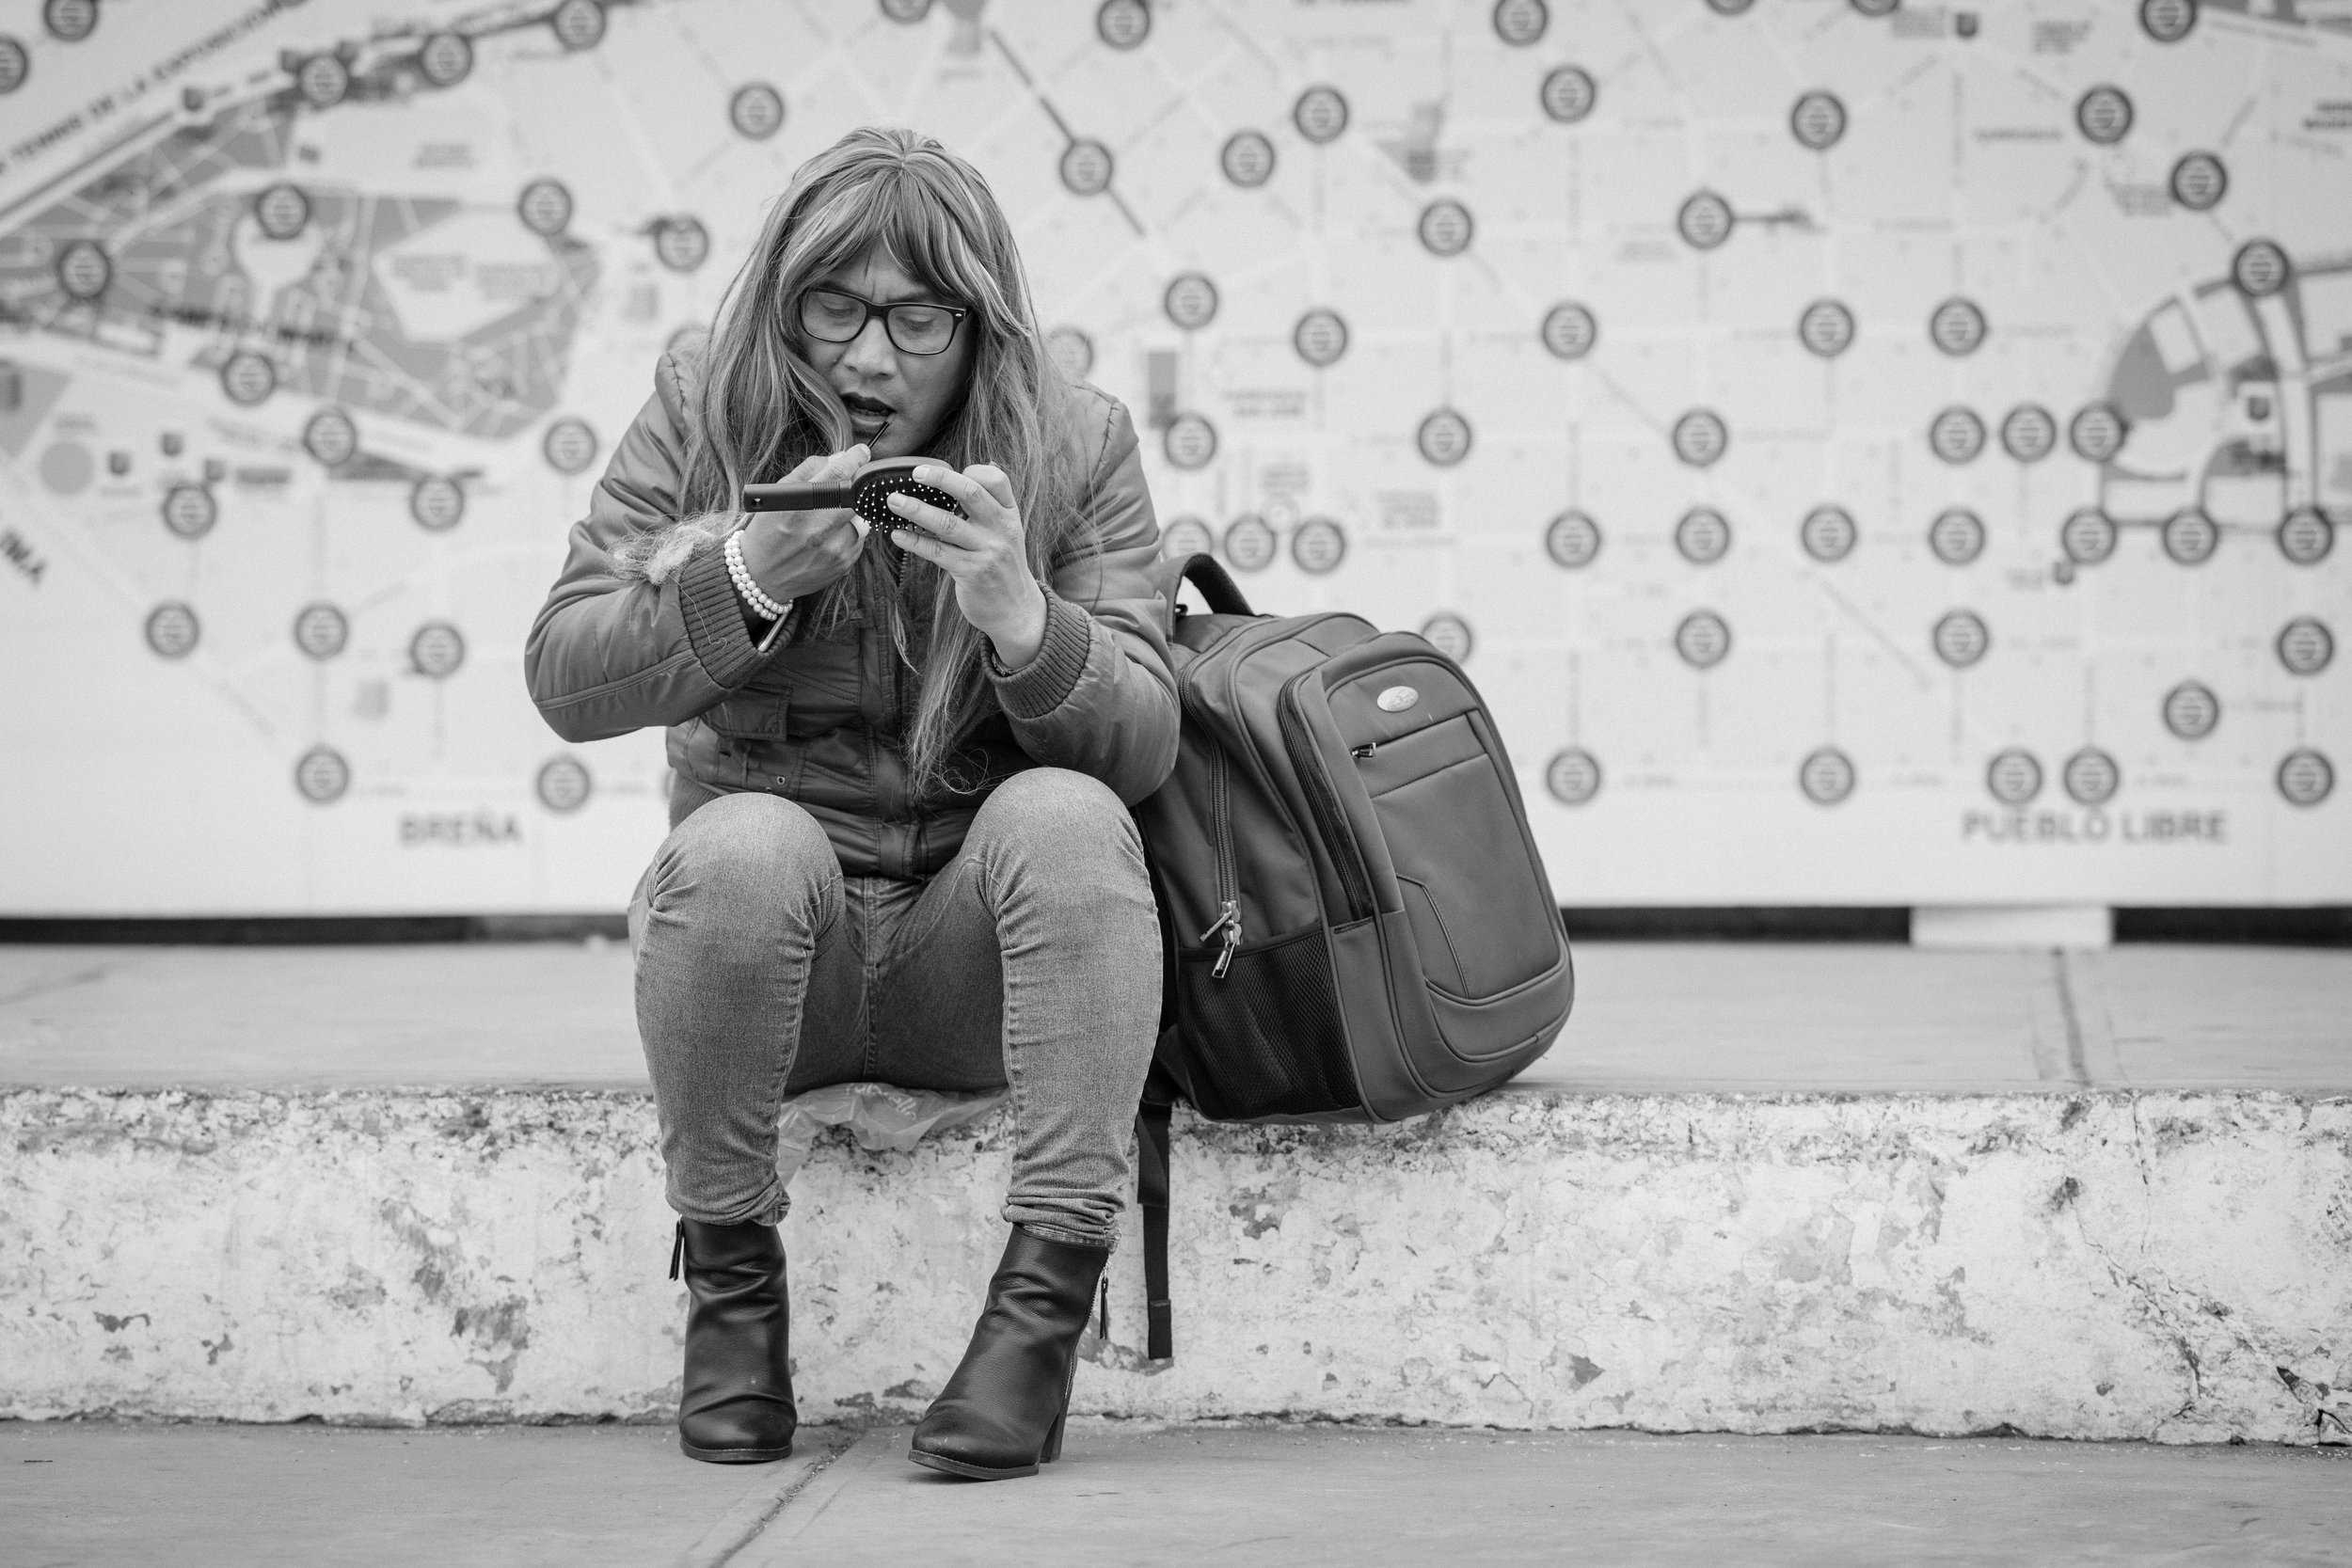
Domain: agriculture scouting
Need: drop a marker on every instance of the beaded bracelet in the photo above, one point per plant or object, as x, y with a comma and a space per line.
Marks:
741, 575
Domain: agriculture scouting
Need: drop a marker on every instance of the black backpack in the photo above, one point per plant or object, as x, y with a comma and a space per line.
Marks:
1354, 922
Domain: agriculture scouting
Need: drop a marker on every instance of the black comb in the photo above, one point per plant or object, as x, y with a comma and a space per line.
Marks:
868, 493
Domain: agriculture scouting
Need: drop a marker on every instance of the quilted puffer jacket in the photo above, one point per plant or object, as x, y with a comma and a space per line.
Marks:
819, 718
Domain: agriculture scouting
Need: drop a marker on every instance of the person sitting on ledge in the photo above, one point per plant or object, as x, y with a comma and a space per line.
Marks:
900, 848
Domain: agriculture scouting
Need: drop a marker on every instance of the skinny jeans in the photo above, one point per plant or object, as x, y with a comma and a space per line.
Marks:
1031, 960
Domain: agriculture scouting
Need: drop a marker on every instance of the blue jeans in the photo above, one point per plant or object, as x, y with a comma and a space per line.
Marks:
1030, 960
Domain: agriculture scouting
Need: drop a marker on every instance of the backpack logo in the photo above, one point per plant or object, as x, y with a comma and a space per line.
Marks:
1396, 699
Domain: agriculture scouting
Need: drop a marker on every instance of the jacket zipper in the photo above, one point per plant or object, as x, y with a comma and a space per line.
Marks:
1228, 902
1321, 800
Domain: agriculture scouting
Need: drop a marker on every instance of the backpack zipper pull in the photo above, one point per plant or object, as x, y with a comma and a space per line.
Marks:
1359, 752
1228, 921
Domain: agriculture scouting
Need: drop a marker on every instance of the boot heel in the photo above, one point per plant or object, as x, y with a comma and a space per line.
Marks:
1053, 1438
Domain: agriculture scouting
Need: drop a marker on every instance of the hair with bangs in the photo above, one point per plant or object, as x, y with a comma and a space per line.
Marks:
762, 407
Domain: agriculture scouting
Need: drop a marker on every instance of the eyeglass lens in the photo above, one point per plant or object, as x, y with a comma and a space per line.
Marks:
839, 318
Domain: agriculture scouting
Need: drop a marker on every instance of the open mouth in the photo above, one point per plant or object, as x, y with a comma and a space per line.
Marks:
869, 416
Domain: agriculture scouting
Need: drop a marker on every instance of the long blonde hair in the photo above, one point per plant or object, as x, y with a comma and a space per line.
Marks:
762, 407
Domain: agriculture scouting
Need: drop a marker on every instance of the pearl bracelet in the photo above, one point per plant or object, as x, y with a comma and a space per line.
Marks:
741, 575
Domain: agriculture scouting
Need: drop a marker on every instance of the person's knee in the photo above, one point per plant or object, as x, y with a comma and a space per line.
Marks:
747, 843
1054, 810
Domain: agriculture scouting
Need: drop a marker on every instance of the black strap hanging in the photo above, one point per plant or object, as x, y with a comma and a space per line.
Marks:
1151, 1130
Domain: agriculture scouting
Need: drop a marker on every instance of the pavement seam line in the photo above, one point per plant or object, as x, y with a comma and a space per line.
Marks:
854, 1460
741, 1523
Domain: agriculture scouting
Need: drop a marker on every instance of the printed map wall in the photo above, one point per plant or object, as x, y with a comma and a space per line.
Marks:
1866, 452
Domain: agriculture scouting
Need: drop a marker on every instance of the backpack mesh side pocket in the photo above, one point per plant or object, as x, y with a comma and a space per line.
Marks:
1268, 1035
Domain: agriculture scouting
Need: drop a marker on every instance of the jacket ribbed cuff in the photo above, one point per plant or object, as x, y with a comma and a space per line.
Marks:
1044, 684
714, 618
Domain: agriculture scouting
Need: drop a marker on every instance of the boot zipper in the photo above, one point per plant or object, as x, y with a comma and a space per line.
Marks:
677, 1248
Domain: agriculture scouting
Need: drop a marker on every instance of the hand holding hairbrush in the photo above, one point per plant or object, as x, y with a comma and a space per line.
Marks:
867, 492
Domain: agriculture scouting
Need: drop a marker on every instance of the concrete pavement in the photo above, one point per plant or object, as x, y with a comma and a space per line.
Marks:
92, 1495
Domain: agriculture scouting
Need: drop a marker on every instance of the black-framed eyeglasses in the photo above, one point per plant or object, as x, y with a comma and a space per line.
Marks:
915, 327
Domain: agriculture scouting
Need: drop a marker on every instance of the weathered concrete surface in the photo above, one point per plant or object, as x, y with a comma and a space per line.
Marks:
2168, 1265
1139, 1493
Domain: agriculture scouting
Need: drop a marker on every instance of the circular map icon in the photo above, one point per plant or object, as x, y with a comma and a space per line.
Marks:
1569, 94
321, 630
2306, 646
84, 270
1186, 536
1705, 221
2168, 21
330, 436
2087, 536
1828, 533
2305, 777
1247, 159
321, 775
189, 510
755, 111
1189, 441
247, 378
1957, 326
2104, 115
1957, 435
437, 650
562, 784
282, 211
2096, 431
1320, 113
2029, 433
2191, 710
1124, 23
569, 445
1190, 301
2092, 777
15, 64
1449, 634
1443, 437
1703, 536
1702, 637
2191, 537
1960, 638
1826, 777
1572, 539
172, 629
1520, 22
445, 59
1072, 350
1956, 536
437, 504
1700, 438
323, 80
2306, 536
1320, 337
680, 244
545, 207
1826, 329
69, 21
2260, 268
1086, 167
1572, 776
1445, 228
1569, 330
1249, 543
577, 24
2199, 181
2013, 777
1817, 121
1318, 546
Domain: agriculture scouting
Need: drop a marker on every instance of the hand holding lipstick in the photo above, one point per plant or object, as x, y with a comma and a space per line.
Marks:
793, 554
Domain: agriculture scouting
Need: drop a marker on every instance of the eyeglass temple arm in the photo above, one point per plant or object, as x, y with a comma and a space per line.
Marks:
799, 495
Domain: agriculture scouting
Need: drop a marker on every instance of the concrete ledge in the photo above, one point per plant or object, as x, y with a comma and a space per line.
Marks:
2173, 1265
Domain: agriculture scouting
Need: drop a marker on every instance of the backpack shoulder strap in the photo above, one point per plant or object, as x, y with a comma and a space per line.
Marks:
1151, 1140
1202, 571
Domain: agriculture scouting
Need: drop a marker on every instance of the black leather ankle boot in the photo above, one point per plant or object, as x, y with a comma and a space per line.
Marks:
736, 1405
1001, 1413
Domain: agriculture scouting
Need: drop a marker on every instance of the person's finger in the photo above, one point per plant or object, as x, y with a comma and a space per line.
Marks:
841, 464
937, 521
946, 557
808, 467
968, 491
992, 479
